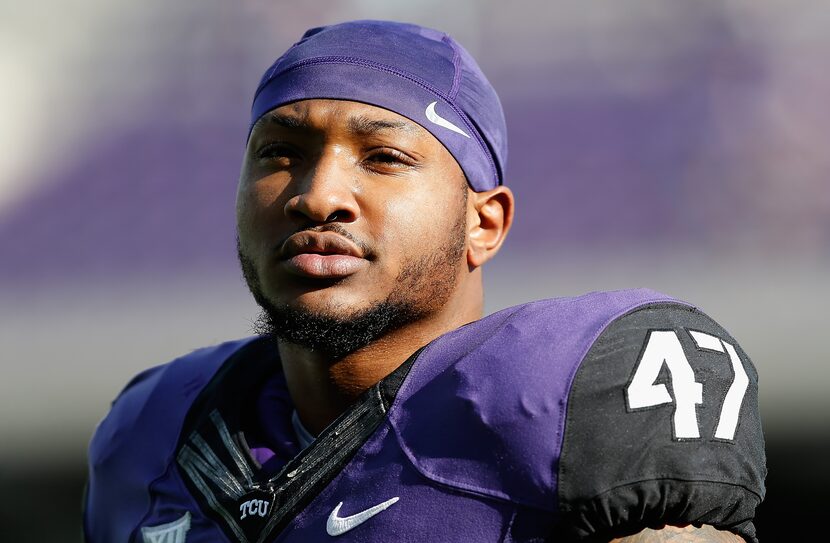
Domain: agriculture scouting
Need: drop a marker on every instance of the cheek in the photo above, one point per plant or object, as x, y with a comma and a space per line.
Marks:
246, 212
255, 212
416, 222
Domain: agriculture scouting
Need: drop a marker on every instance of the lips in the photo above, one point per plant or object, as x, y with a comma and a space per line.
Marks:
323, 255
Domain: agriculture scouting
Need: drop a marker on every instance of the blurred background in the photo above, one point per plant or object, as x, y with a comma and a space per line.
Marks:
676, 145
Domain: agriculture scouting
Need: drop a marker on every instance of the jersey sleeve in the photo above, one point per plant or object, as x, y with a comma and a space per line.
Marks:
104, 516
133, 445
662, 427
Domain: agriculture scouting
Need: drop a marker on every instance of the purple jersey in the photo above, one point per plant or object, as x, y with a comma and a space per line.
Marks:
557, 420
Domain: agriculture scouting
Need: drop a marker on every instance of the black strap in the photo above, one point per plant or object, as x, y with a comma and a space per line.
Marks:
226, 482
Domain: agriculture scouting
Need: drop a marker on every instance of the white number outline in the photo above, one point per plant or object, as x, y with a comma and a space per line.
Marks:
663, 347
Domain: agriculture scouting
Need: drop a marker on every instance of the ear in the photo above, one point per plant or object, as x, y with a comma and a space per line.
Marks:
489, 216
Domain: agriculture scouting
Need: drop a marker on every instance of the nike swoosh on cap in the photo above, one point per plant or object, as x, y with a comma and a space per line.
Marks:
440, 121
337, 525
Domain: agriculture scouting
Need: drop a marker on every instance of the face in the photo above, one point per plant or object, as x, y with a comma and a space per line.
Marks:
351, 222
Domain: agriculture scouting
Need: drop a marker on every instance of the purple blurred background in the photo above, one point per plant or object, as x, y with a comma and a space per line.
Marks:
676, 145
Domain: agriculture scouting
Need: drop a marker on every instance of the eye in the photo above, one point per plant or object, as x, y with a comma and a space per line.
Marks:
279, 153
386, 158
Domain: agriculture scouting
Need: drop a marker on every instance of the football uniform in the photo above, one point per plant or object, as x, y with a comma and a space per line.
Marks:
557, 420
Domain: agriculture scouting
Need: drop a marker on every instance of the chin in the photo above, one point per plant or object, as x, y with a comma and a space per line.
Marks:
329, 305
324, 328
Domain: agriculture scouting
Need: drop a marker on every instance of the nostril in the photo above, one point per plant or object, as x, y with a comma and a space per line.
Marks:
337, 215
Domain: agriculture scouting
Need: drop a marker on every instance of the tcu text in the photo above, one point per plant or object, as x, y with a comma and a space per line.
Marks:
253, 508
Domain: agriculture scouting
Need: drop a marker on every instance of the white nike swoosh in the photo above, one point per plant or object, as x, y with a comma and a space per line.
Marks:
440, 121
340, 525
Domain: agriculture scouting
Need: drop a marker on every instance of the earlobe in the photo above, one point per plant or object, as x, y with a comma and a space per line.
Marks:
490, 214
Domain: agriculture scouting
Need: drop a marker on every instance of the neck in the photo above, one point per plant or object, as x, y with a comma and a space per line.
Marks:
322, 388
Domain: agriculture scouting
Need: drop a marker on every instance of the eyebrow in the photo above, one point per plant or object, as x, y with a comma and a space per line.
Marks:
359, 125
285, 121
365, 126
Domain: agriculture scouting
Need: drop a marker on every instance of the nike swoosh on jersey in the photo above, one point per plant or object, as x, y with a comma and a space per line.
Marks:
440, 121
337, 525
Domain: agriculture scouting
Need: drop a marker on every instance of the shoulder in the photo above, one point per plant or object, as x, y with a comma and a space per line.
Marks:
547, 335
133, 444
530, 403
498, 384
153, 395
663, 410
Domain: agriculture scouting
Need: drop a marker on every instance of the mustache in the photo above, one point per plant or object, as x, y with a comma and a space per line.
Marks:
365, 248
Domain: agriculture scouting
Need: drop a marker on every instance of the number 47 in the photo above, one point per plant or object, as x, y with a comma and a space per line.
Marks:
663, 346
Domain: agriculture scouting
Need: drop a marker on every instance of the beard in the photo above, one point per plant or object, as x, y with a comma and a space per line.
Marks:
423, 286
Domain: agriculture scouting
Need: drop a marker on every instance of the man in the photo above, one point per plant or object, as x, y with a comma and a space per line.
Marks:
377, 404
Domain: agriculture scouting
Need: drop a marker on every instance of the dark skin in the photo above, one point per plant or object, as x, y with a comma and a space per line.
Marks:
394, 188
391, 190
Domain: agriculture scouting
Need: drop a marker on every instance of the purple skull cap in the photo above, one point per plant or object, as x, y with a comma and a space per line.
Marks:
417, 72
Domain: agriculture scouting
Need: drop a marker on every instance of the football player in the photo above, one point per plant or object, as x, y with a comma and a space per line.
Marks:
377, 404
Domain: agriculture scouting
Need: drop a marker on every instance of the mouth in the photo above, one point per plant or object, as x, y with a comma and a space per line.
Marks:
321, 255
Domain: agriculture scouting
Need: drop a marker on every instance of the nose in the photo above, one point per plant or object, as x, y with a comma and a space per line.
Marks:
326, 193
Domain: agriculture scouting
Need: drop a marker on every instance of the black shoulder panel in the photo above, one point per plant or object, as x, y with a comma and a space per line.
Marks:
662, 428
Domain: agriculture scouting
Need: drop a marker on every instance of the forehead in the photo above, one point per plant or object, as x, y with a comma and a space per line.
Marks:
356, 117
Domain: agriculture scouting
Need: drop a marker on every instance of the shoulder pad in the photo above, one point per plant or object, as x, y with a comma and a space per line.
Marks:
662, 427
134, 444
483, 408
